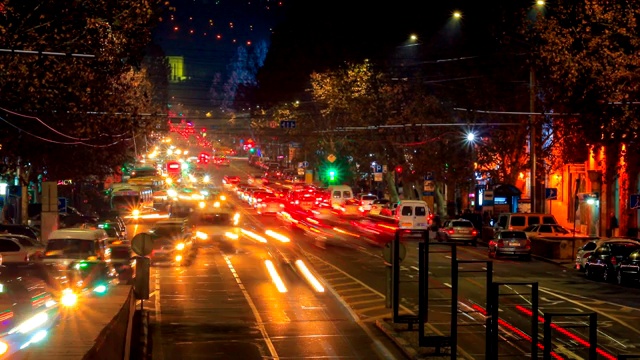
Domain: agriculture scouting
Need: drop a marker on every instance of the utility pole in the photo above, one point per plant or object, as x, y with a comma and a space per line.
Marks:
532, 139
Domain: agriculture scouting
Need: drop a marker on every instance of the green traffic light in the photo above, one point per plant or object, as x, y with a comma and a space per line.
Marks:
332, 175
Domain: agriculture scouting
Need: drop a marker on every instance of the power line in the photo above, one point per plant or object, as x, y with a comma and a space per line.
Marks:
61, 142
43, 123
45, 53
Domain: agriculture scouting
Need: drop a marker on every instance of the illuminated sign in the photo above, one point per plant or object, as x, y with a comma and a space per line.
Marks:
65, 182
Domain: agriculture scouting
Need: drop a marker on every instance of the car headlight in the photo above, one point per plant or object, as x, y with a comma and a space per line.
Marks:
180, 246
202, 236
135, 212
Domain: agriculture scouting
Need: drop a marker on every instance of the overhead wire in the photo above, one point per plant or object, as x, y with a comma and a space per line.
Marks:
61, 142
43, 123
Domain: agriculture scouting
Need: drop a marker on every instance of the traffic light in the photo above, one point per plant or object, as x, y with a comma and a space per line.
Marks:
332, 175
252, 150
399, 169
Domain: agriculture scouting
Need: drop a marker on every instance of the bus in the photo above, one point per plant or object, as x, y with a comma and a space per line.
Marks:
144, 171
130, 200
156, 183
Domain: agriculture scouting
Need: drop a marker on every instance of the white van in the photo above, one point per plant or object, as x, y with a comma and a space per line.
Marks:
68, 245
339, 194
520, 221
413, 214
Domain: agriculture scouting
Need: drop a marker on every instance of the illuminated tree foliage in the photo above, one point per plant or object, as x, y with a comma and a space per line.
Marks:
587, 55
68, 116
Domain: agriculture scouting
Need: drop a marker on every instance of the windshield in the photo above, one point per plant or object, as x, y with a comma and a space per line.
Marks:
168, 231
216, 219
124, 201
71, 248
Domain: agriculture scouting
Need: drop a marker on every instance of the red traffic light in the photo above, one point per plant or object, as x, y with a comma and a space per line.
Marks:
399, 169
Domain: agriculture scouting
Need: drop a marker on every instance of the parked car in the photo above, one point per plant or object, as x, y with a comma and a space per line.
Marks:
34, 247
602, 264
550, 230
587, 249
510, 242
12, 251
458, 230
18, 229
629, 269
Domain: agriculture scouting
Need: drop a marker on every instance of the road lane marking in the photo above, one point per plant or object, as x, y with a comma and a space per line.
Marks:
254, 309
578, 304
356, 317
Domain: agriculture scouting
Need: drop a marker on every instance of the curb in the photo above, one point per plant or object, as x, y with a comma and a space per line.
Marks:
401, 343
550, 261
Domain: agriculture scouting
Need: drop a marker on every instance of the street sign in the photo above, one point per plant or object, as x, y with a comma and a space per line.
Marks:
331, 158
305, 164
300, 172
551, 194
429, 185
428, 176
634, 201
384, 169
377, 168
272, 125
377, 176
62, 205
288, 124
142, 244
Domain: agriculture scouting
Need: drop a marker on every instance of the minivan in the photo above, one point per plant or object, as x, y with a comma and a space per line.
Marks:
339, 194
68, 245
413, 214
519, 221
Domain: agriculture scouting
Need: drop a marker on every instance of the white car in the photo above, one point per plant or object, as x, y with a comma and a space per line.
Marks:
366, 200
13, 251
550, 230
587, 249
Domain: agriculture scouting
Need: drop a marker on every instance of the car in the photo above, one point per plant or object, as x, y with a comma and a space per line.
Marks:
270, 205
629, 269
20, 230
366, 201
377, 206
217, 223
35, 248
550, 230
602, 264
510, 242
173, 241
458, 230
587, 249
229, 182
12, 251
123, 261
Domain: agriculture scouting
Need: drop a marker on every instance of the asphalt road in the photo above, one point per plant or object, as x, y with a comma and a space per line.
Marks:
226, 305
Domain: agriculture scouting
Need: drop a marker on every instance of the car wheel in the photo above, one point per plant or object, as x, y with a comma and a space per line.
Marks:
606, 275
620, 280
587, 272
491, 255
474, 243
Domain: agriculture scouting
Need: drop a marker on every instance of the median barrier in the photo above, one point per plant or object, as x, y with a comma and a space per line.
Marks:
558, 248
114, 341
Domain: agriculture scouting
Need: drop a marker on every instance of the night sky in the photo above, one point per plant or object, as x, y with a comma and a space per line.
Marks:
313, 35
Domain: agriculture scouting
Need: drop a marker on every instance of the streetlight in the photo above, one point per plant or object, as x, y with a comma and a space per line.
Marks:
540, 2
457, 14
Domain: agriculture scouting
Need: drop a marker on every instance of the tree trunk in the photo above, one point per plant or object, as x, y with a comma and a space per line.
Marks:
389, 178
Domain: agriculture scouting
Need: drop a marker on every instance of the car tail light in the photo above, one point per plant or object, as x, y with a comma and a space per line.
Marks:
500, 243
614, 261
474, 232
528, 244
451, 231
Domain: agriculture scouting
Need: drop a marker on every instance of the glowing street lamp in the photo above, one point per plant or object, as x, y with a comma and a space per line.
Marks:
540, 2
471, 137
457, 14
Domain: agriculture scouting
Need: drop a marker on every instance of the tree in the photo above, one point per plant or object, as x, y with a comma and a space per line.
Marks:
73, 117
586, 55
